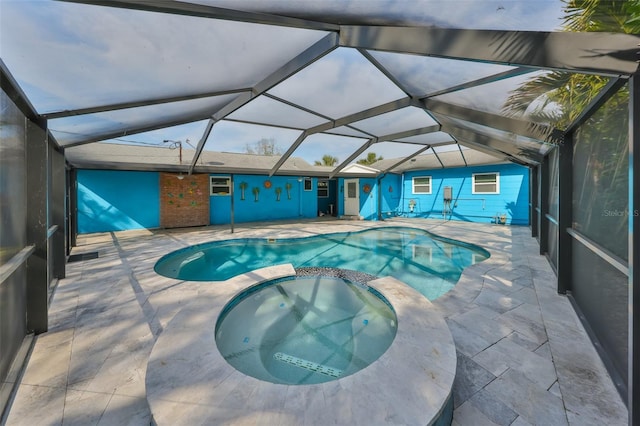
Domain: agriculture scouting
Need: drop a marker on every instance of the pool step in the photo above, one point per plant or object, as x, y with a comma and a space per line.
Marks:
307, 365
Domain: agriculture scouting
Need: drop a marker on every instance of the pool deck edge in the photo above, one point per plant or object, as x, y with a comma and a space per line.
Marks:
189, 382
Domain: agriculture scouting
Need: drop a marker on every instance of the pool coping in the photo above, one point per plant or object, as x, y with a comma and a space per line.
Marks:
189, 382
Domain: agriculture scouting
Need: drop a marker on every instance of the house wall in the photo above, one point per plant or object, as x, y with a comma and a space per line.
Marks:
513, 199
184, 200
392, 193
110, 200
368, 201
299, 203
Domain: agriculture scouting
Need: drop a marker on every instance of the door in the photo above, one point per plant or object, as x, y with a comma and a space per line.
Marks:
351, 197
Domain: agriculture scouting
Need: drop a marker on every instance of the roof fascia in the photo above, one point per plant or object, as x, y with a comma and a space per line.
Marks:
112, 165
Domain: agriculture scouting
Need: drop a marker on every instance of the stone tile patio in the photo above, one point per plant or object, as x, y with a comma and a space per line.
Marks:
523, 356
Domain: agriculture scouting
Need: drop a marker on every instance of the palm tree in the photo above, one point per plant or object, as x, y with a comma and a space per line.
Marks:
601, 148
557, 98
371, 158
327, 160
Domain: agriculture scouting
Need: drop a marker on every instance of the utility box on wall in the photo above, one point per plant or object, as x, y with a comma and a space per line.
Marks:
448, 193
184, 200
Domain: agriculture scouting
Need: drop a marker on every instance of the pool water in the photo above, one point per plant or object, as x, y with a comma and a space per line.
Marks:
305, 330
429, 263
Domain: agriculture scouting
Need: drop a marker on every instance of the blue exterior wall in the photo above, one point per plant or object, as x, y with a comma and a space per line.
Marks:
368, 201
110, 200
301, 204
391, 195
513, 199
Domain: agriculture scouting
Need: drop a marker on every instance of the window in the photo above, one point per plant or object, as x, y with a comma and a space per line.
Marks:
486, 183
307, 184
219, 185
422, 185
323, 188
423, 253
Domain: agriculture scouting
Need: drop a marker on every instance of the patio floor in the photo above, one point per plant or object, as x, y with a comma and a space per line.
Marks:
523, 355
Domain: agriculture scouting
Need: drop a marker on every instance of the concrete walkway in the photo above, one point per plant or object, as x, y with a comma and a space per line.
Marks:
523, 356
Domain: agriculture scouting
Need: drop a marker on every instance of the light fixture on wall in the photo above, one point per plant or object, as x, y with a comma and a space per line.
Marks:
180, 176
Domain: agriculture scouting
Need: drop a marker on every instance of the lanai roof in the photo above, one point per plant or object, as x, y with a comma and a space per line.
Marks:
343, 78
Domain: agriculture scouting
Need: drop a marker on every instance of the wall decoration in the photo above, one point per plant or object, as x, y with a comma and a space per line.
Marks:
267, 184
183, 202
366, 188
243, 186
288, 187
278, 192
256, 192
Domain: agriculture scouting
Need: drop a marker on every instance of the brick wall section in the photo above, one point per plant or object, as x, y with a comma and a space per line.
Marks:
184, 202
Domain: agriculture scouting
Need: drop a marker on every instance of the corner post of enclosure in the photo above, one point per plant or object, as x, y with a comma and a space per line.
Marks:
232, 207
58, 212
565, 212
634, 250
37, 227
543, 193
533, 200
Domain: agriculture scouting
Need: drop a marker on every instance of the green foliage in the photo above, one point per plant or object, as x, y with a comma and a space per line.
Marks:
327, 160
371, 158
558, 98
601, 165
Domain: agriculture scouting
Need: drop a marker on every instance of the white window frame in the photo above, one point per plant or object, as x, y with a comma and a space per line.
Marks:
422, 252
308, 187
227, 185
323, 185
474, 189
413, 184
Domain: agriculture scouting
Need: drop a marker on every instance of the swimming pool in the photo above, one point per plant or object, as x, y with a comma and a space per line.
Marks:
429, 263
305, 330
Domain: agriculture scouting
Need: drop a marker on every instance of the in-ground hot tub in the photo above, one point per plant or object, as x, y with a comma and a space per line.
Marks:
305, 330
188, 381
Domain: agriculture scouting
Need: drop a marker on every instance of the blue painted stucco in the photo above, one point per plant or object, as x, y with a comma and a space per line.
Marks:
299, 203
512, 200
121, 200
368, 200
392, 193
110, 200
